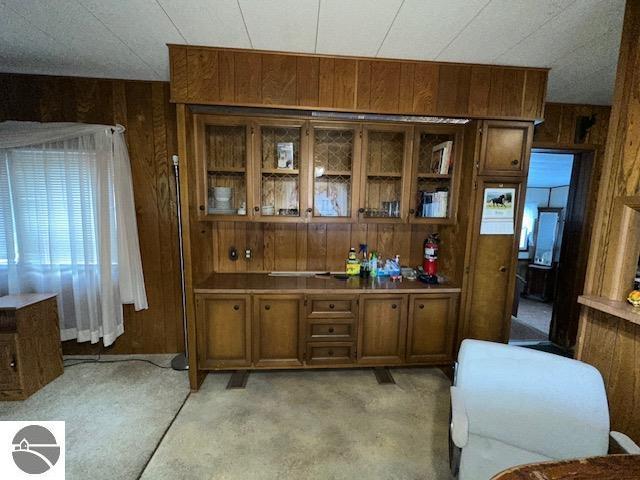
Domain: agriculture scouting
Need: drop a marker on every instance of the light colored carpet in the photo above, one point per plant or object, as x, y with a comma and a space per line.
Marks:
115, 414
336, 424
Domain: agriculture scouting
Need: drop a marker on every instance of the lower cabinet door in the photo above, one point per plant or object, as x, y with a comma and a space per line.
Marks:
224, 330
277, 330
382, 329
9, 375
431, 327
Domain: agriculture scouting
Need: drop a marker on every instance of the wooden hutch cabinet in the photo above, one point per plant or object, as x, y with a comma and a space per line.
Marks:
259, 160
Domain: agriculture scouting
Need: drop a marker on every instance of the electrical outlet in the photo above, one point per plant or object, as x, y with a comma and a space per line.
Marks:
247, 254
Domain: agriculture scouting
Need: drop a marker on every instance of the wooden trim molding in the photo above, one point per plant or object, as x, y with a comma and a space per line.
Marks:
255, 78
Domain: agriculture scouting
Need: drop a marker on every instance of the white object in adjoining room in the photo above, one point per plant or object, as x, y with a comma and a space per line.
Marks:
513, 405
68, 224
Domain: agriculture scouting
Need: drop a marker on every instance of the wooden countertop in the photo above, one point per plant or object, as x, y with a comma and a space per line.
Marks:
263, 283
609, 467
16, 302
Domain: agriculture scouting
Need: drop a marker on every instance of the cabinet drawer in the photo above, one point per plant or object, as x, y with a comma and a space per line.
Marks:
331, 307
330, 330
328, 353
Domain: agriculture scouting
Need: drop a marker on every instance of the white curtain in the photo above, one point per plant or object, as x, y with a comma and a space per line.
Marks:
68, 223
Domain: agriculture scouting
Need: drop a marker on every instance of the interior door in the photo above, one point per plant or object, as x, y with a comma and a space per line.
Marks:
492, 266
576, 237
277, 330
382, 329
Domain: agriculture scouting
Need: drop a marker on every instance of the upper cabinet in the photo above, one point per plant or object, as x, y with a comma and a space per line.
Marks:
281, 155
334, 172
223, 151
437, 158
505, 148
385, 173
297, 170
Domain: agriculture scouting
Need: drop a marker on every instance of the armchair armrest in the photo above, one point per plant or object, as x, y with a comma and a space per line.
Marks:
459, 420
624, 443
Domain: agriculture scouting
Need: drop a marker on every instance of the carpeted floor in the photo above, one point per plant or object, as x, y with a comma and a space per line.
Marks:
126, 421
533, 322
337, 424
115, 414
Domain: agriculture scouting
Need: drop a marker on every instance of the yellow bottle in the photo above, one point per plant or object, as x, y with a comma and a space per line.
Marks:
353, 264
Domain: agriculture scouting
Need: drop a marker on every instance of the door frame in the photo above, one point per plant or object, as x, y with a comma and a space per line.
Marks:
580, 208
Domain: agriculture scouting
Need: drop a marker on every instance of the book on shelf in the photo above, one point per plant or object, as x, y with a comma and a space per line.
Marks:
441, 157
433, 204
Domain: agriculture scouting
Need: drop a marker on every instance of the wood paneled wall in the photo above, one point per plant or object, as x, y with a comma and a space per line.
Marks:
610, 343
150, 121
561, 122
207, 75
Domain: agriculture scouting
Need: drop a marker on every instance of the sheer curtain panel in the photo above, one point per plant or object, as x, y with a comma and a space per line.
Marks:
69, 225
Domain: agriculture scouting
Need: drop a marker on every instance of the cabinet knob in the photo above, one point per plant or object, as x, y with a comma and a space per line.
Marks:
412, 211
13, 364
236, 307
331, 305
309, 210
421, 306
330, 352
361, 210
256, 208
394, 306
515, 161
502, 268
201, 207
330, 329
267, 307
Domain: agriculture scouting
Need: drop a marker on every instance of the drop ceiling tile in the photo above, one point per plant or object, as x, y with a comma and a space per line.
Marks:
151, 31
356, 27
575, 26
203, 22
422, 29
286, 25
90, 48
503, 20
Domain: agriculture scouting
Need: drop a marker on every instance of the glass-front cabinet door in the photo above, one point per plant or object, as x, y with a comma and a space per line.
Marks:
434, 179
223, 149
335, 162
282, 150
385, 184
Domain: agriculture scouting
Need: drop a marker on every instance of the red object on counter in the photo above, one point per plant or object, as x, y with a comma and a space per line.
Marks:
430, 259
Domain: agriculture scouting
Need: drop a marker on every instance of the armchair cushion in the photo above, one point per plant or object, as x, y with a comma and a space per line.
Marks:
550, 406
459, 421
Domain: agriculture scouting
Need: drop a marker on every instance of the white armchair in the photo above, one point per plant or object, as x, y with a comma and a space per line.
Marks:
513, 405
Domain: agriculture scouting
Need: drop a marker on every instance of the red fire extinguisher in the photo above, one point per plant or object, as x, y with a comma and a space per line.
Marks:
430, 259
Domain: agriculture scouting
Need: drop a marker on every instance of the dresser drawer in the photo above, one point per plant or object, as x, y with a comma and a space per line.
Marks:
328, 331
331, 307
329, 353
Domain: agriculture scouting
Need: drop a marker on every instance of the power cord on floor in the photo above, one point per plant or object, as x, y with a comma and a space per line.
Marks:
81, 361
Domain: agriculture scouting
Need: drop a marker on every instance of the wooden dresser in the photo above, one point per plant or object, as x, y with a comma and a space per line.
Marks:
30, 349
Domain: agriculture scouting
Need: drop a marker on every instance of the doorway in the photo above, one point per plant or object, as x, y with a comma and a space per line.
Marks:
550, 268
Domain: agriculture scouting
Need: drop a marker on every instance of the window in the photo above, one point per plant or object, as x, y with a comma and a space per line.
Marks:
47, 206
